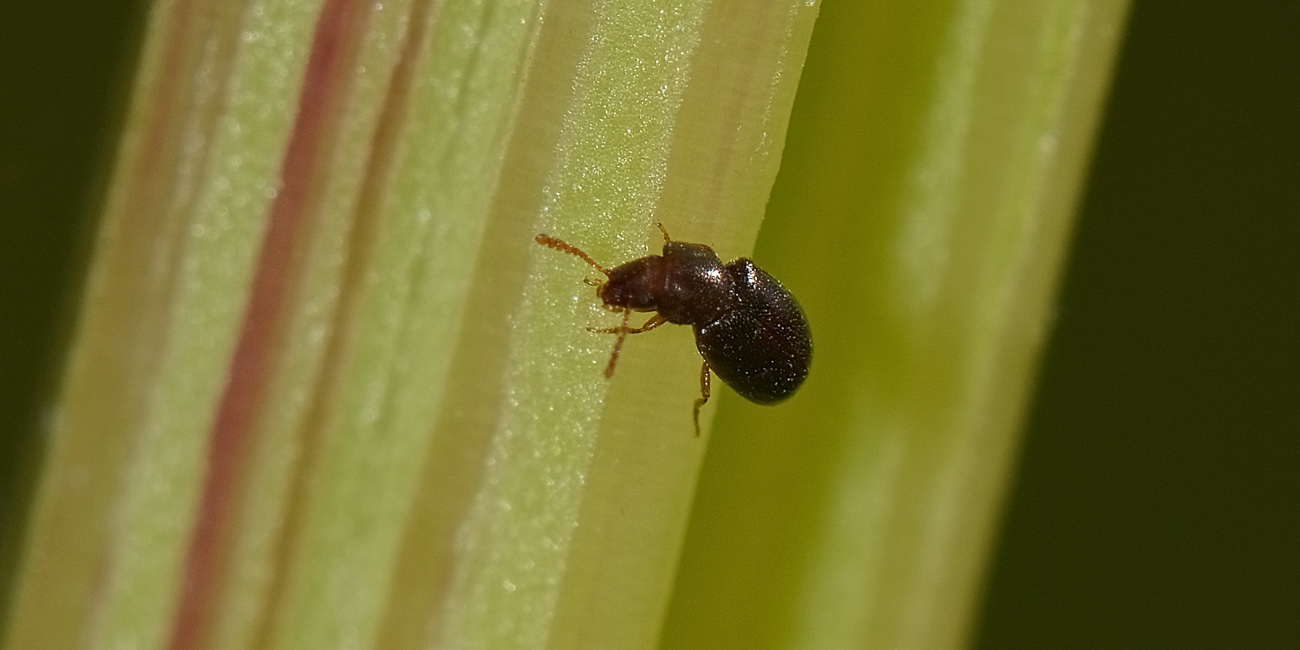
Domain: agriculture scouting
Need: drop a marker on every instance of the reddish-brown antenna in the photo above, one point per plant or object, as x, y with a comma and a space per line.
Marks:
565, 247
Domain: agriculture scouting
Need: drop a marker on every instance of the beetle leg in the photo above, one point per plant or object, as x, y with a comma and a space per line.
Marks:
655, 321
704, 395
622, 331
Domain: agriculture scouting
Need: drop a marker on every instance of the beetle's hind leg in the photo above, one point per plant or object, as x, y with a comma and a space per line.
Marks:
704, 395
622, 331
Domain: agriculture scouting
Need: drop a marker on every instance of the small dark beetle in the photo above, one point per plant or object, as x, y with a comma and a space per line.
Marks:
748, 328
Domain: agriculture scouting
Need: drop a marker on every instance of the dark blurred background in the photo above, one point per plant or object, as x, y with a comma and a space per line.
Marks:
1158, 499
63, 68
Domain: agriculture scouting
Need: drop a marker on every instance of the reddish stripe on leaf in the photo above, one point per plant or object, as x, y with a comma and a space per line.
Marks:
323, 91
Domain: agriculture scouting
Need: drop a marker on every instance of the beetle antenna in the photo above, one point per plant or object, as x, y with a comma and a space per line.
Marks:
664, 231
565, 247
